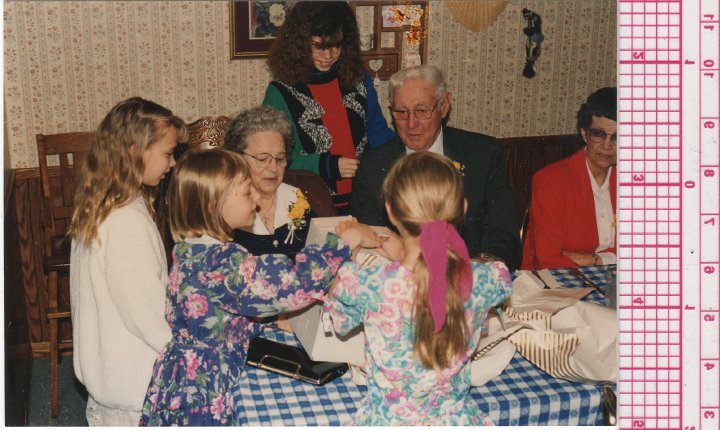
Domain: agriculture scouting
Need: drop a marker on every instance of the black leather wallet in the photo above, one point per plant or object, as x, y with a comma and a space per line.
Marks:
291, 361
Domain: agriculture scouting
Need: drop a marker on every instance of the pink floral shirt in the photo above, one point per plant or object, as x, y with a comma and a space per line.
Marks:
400, 390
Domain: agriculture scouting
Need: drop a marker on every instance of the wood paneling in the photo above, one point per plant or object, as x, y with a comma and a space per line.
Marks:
526, 155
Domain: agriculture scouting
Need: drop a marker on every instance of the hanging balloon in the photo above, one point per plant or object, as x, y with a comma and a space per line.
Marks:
476, 15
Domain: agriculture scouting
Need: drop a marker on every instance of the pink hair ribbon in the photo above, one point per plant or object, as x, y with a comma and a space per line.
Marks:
435, 237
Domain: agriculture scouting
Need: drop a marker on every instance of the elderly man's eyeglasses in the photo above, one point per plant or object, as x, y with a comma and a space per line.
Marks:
596, 135
264, 159
420, 113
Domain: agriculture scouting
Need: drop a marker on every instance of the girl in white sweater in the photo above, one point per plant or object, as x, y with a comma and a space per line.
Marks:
118, 267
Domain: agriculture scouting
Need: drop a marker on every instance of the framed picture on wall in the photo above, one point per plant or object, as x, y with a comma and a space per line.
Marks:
254, 25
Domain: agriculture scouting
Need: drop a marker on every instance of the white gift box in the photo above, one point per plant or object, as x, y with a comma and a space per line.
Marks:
313, 328
310, 328
319, 227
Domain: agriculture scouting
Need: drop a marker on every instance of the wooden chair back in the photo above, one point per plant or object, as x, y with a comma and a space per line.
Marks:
57, 192
315, 190
526, 155
207, 132
57, 182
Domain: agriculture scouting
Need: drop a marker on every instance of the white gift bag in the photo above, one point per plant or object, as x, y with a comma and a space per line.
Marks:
565, 337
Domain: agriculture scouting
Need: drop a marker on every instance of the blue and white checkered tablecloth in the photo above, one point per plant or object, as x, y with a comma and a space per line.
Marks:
521, 395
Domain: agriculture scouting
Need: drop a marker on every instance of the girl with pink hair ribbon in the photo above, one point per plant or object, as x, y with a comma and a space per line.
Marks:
423, 313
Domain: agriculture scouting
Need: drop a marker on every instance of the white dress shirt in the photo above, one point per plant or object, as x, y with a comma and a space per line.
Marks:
437, 146
604, 217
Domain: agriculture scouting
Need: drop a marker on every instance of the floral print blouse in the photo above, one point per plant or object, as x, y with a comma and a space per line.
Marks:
215, 288
400, 390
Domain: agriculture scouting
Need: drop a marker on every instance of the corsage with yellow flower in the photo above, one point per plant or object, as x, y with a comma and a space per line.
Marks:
460, 167
296, 214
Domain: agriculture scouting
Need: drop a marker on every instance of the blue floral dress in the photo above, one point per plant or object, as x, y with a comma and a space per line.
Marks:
400, 390
215, 288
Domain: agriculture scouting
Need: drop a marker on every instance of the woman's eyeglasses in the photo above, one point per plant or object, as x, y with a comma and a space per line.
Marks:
596, 135
332, 47
264, 159
420, 113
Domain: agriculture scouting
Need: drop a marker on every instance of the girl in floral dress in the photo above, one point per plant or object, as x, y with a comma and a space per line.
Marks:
422, 314
216, 286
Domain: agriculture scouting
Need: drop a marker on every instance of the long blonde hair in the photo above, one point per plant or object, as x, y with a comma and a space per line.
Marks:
424, 187
111, 175
201, 182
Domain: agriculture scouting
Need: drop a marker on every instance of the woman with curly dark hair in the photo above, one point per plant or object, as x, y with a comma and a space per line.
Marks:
319, 81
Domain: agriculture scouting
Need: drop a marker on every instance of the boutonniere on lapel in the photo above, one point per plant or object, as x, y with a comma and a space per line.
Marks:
459, 166
296, 214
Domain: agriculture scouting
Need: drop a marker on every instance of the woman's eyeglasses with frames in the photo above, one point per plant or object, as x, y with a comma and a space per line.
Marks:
332, 47
264, 159
596, 135
421, 113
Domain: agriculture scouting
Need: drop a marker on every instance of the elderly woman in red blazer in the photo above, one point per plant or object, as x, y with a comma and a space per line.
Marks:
572, 212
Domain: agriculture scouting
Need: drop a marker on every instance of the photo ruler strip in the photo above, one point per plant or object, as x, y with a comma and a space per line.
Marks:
701, 196
668, 215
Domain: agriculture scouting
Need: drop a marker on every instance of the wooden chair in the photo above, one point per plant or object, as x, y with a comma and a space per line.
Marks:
57, 202
524, 224
526, 155
207, 132
315, 190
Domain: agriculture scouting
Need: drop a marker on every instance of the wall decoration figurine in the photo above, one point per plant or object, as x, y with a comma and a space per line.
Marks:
535, 37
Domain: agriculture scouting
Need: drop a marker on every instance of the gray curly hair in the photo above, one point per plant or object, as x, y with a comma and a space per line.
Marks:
255, 120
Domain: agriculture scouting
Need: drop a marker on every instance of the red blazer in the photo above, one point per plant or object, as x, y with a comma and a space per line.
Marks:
562, 214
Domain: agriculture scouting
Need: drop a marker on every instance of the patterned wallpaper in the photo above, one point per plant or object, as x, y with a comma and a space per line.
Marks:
67, 63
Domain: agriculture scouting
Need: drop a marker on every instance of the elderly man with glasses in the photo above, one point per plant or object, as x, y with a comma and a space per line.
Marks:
419, 104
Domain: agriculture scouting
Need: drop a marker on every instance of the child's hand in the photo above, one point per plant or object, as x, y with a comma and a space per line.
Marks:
392, 248
356, 234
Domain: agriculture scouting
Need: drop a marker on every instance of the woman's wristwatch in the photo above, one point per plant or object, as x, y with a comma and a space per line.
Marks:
595, 258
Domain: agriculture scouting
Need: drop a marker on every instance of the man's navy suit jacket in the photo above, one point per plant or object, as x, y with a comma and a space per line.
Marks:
491, 223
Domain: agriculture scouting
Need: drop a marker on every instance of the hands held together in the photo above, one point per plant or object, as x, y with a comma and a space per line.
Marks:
356, 234
362, 235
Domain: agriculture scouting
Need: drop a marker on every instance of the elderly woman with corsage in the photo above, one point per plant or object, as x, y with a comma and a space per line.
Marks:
572, 211
263, 136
